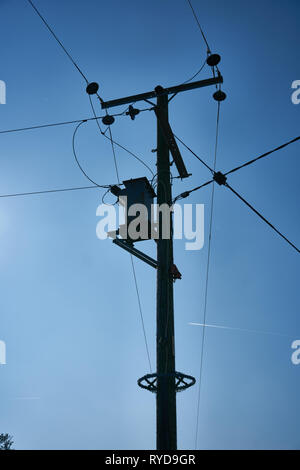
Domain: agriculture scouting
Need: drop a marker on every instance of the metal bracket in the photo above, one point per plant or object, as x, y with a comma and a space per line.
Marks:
182, 381
167, 91
139, 254
172, 144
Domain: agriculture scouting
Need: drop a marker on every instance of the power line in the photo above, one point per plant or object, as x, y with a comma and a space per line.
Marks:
187, 193
262, 217
131, 257
32, 193
141, 312
114, 153
82, 74
204, 315
110, 138
41, 126
130, 153
95, 115
262, 156
77, 161
195, 155
195, 75
117, 143
63, 123
207, 277
77, 121
59, 42
201, 30
217, 136
190, 79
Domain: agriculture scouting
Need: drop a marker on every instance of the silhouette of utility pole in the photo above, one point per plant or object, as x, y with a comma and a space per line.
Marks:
166, 381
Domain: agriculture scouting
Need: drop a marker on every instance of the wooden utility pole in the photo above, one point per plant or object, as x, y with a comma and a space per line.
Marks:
166, 381
165, 344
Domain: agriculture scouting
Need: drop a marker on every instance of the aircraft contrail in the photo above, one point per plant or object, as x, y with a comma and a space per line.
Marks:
27, 398
241, 329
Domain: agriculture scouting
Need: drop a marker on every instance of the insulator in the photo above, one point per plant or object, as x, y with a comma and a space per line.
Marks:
132, 112
220, 178
92, 88
219, 95
213, 60
108, 120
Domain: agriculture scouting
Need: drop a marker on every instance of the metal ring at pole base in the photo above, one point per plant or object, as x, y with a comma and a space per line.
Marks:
182, 381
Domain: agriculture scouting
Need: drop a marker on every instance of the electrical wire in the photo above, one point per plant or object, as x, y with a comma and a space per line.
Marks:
195, 155
107, 203
32, 193
111, 141
189, 80
130, 153
207, 278
58, 41
62, 46
262, 156
63, 123
76, 121
262, 217
201, 30
195, 75
114, 153
103, 133
187, 193
117, 143
141, 312
41, 126
75, 156
95, 115
131, 257
44, 125
217, 136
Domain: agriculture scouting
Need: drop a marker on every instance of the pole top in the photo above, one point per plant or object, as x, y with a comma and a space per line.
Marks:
161, 90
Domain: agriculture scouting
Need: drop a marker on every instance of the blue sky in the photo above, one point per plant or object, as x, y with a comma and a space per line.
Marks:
69, 312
